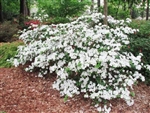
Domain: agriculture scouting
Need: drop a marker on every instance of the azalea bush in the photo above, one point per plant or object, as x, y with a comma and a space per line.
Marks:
86, 56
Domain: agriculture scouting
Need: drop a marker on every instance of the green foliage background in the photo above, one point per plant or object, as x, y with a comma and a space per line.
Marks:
62, 8
10, 8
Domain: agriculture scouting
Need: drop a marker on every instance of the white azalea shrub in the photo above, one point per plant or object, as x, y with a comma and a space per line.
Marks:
86, 56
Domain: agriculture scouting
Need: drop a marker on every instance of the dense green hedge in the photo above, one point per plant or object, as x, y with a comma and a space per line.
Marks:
140, 42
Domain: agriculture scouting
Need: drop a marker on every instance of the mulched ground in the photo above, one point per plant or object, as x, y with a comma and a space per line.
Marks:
22, 92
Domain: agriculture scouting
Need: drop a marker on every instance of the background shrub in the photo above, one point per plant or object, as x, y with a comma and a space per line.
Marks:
118, 13
10, 9
61, 8
140, 42
57, 20
8, 31
143, 27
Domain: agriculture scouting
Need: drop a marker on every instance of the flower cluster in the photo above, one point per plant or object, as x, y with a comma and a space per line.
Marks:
86, 56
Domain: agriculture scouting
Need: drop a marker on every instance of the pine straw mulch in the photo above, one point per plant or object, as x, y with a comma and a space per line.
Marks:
22, 92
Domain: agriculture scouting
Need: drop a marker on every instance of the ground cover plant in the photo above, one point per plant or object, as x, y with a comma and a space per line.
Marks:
86, 55
7, 50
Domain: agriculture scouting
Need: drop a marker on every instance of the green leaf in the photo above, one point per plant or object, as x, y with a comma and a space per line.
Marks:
132, 94
118, 96
100, 81
65, 98
132, 65
67, 69
79, 64
98, 65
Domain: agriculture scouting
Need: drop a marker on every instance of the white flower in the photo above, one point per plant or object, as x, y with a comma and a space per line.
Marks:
52, 68
129, 82
16, 63
92, 61
116, 92
128, 20
142, 78
138, 67
148, 67
73, 55
60, 63
107, 110
40, 75
86, 96
130, 102
99, 109
62, 73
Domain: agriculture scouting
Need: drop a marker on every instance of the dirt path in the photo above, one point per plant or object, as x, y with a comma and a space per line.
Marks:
22, 92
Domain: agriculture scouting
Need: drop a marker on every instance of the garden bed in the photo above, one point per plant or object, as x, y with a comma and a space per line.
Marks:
22, 92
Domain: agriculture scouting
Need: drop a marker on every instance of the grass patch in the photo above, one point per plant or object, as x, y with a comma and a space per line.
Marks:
7, 51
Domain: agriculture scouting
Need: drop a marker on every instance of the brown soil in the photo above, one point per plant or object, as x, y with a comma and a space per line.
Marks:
22, 92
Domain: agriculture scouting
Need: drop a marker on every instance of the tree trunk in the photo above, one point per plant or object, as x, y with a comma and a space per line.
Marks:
92, 6
24, 10
147, 10
1, 12
22, 7
105, 11
98, 5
